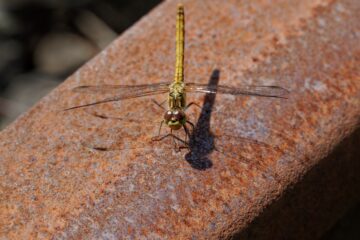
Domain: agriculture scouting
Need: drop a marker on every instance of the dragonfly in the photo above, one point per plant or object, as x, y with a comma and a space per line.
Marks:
175, 117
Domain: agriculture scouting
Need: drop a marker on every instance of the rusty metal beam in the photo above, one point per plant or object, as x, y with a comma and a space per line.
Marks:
286, 168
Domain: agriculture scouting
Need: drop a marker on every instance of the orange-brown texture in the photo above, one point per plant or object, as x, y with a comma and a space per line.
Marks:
53, 187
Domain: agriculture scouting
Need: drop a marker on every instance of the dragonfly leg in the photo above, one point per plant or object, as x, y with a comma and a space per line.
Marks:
185, 143
174, 140
161, 123
187, 135
192, 103
191, 124
159, 138
159, 104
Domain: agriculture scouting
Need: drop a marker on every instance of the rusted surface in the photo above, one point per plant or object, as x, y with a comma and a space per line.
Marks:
52, 186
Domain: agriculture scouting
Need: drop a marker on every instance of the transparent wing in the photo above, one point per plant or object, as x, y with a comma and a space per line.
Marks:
121, 92
262, 91
117, 88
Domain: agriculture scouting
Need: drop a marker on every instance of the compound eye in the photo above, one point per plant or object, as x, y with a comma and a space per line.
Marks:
179, 115
168, 115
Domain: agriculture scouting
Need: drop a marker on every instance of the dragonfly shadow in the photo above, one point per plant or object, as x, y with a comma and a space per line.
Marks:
201, 140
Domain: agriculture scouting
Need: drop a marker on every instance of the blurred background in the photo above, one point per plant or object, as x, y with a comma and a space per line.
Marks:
44, 41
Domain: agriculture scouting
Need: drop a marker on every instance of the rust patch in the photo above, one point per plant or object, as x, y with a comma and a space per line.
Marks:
52, 186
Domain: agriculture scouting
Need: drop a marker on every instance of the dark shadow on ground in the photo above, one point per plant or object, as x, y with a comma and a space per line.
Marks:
201, 141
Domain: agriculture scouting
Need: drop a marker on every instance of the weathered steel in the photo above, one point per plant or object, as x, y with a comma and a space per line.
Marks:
52, 186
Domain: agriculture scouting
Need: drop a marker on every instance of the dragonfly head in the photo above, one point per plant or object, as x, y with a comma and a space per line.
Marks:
175, 118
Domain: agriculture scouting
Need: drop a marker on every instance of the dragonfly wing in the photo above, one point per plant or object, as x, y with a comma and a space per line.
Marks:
118, 88
262, 91
120, 92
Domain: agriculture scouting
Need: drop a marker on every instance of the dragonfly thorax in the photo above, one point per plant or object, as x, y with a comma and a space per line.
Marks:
175, 118
177, 99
